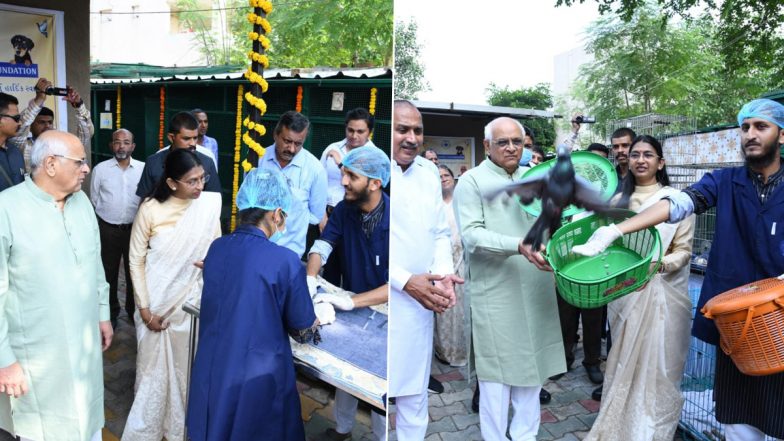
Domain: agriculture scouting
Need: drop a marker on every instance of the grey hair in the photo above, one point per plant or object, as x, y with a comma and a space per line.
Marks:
45, 146
491, 124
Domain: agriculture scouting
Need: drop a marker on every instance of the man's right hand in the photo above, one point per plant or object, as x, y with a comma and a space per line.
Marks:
40, 90
421, 288
13, 381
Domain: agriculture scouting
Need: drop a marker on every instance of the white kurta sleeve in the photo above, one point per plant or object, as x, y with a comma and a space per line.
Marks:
470, 214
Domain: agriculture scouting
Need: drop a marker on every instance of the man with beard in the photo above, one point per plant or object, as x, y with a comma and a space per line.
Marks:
620, 141
360, 226
749, 202
113, 194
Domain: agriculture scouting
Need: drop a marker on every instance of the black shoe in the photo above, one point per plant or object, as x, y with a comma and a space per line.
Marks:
333, 434
595, 374
597, 393
544, 396
475, 400
434, 386
557, 376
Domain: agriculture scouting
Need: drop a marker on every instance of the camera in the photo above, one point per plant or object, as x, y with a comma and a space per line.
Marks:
585, 119
58, 91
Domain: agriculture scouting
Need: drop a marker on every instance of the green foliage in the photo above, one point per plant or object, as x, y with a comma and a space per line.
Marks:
409, 69
747, 31
334, 33
652, 63
537, 97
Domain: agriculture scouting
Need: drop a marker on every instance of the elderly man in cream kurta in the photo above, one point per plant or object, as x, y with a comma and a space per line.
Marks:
54, 300
516, 331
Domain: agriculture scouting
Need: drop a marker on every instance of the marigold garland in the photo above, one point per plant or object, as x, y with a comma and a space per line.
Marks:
119, 107
162, 114
237, 146
372, 105
258, 102
299, 99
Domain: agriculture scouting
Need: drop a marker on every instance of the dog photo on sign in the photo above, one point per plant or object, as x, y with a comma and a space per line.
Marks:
22, 47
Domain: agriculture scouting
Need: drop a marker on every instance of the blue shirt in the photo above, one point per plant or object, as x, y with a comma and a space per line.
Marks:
365, 260
308, 182
212, 145
243, 385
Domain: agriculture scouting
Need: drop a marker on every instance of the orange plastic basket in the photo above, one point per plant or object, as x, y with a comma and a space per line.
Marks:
750, 319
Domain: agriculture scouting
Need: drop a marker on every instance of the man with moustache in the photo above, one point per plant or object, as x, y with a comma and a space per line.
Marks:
11, 160
113, 194
183, 132
420, 271
514, 315
54, 302
620, 141
305, 175
747, 247
359, 225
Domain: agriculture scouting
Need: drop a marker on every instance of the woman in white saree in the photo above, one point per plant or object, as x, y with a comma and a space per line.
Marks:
650, 328
171, 234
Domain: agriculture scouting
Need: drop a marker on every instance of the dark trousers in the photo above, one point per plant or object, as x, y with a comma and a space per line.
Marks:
592, 331
115, 241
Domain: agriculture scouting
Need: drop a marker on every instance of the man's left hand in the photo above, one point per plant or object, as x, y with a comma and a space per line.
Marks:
447, 284
73, 97
106, 334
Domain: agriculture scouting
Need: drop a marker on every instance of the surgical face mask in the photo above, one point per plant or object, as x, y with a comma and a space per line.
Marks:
277, 235
527, 156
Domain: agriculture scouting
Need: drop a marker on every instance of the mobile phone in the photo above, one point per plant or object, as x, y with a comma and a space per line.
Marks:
58, 91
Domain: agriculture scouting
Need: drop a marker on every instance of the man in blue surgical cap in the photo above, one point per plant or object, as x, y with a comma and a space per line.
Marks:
360, 226
255, 296
748, 246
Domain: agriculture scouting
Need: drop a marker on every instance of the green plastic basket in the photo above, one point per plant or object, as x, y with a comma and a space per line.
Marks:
591, 282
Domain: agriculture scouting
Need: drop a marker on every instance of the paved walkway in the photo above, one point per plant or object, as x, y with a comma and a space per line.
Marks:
567, 417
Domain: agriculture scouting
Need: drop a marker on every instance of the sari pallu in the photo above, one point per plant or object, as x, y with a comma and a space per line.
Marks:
158, 409
650, 330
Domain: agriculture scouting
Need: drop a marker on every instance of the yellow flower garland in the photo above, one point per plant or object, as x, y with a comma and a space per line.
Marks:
237, 146
372, 105
255, 78
119, 107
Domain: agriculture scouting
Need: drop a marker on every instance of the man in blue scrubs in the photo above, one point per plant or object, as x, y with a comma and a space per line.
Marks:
243, 385
360, 225
748, 246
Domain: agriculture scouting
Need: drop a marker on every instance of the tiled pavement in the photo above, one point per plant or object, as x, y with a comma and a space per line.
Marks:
567, 417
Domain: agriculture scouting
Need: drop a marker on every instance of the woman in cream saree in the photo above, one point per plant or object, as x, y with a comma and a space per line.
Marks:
171, 234
650, 328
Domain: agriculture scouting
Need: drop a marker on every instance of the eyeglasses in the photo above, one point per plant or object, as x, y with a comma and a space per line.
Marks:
79, 162
196, 181
16, 118
291, 141
647, 155
504, 142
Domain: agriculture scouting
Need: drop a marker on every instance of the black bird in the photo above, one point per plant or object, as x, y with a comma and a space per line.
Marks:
558, 188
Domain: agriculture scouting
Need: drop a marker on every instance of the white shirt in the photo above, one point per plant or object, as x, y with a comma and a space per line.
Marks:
419, 243
113, 191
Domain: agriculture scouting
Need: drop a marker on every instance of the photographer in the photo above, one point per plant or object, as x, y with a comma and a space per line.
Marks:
37, 119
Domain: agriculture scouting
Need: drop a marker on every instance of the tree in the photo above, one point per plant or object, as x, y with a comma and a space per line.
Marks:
749, 31
409, 69
536, 97
653, 64
338, 33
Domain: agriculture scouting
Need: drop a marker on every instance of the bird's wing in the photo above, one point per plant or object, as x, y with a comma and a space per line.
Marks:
527, 189
588, 196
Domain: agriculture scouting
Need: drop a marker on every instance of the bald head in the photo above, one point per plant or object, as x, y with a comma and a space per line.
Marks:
504, 143
59, 163
501, 120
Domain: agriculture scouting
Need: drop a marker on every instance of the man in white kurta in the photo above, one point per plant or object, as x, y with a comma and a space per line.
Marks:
420, 271
54, 300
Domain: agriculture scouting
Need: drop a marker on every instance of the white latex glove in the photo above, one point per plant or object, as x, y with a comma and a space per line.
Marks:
312, 285
781, 277
343, 303
599, 241
325, 313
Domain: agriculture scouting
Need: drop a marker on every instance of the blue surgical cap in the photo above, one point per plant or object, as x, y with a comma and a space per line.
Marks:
368, 161
266, 189
763, 108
